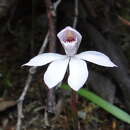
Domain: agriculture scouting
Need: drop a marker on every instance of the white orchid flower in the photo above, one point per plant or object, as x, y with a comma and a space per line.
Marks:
78, 71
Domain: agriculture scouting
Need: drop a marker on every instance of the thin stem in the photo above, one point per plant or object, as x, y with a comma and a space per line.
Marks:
74, 97
51, 13
32, 71
76, 14
74, 101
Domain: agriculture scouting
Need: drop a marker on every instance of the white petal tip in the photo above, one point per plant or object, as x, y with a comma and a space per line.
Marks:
27, 64
115, 66
23, 65
48, 83
76, 89
50, 86
112, 65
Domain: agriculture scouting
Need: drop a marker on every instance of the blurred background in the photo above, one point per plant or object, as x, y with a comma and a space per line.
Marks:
105, 27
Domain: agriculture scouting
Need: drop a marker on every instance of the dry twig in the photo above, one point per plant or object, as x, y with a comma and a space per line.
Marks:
51, 13
76, 14
32, 71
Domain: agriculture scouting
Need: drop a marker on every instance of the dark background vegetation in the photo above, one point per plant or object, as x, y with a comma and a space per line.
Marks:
105, 27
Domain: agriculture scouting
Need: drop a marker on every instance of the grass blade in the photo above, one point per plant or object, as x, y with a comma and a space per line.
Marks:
114, 110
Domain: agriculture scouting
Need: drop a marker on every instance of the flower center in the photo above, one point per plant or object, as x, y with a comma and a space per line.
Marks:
70, 36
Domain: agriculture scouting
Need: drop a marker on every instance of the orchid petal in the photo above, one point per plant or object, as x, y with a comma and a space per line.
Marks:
43, 59
78, 73
96, 58
55, 72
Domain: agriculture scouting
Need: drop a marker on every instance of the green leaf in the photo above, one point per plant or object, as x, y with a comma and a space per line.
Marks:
114, 110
